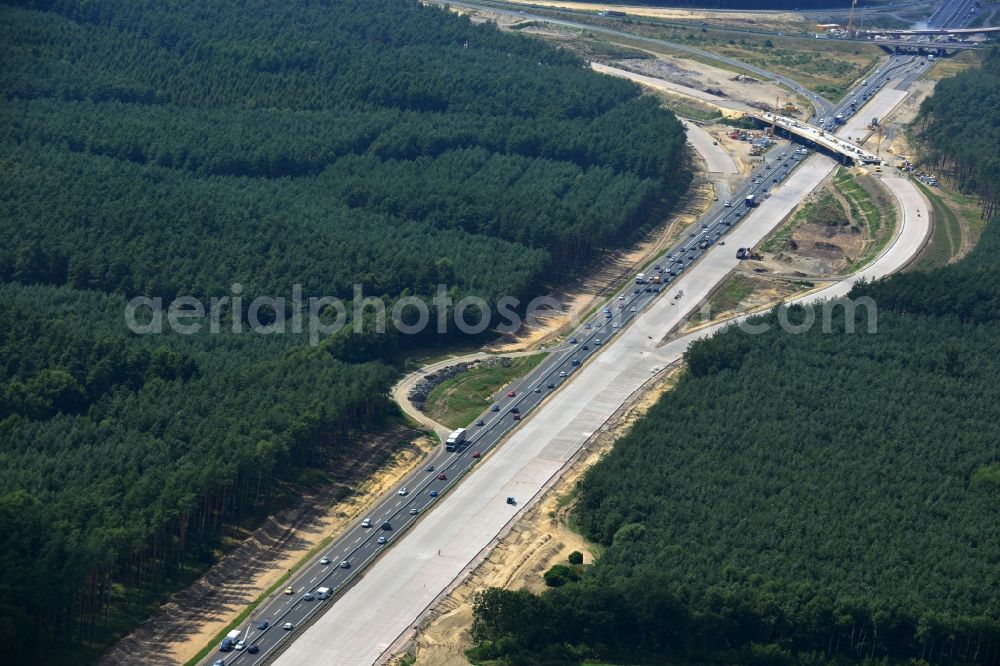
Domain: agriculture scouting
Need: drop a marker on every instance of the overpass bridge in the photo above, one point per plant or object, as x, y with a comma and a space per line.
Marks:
846, 150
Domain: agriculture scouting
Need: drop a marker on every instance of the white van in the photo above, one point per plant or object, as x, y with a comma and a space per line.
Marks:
322, 593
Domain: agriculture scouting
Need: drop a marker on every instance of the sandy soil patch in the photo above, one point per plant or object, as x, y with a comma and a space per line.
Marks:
731, 18
539, 540
739, 88
896, 141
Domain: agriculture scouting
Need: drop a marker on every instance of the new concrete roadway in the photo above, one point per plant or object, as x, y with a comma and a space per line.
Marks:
432, 549
379, 611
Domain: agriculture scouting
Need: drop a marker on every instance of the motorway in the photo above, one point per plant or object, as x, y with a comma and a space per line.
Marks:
953, 14
377, 608
359, 546
366, 624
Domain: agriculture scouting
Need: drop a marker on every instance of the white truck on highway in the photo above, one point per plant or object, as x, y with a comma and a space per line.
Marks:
751, 200
322, 593
455, 439
640, 278
229, 642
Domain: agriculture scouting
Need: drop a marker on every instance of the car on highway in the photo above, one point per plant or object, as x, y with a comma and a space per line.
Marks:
253, 649
403, 491
381, 540
429, 468
442, 477
538, 389
511, 394
263, 624
585, 347
480, 423
475, 454
219, 662
729, 204
621, 297
597, 342
345, 565
240, 646
517, 417
288, 626
636, 290
572, 341
562, 373
308, 596
433, 493
550, 385
325, 561
495, 408
515, 410
387, 525
289, 590
414, 511
367, 522
614, 325
632, 309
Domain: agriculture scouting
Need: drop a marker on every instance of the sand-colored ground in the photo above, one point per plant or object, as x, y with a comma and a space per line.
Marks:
540, 539
896, 144
195, 615
732, 18
737, 88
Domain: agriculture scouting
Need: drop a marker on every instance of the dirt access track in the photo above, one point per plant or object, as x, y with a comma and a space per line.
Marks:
732, 16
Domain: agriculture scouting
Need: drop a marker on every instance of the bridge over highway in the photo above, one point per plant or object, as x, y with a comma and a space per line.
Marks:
816, 135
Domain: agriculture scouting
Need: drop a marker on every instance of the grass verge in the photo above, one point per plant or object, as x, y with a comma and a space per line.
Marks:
946, 238
457, 401
809, 211
881, 221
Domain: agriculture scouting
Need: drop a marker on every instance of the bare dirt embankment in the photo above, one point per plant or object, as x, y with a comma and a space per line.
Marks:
196, 614
735, 87
540, 539
782, 20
